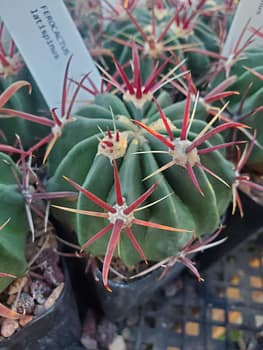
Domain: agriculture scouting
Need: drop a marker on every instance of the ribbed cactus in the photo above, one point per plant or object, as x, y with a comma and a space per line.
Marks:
14, 235
105, 131
247, 105
148, 140
23, 199
12, 69
22, 101
53, 126
179, 26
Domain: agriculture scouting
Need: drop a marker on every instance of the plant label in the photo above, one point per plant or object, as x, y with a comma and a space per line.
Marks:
46, 37
249, 17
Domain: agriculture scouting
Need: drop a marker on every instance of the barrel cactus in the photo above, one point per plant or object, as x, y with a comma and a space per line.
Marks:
184, 155
53, 125
247, 105
22, 199
12, 70
13, 236
179, 27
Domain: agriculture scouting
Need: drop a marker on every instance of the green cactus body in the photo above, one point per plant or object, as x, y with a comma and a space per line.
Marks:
75, 156
14, 235
224, 10
122, 28
29, 132
200, 36
252, 58
203, 38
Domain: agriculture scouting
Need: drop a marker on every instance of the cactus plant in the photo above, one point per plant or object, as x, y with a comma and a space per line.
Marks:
56, 124
148, 147
79, 145
19, 198
12, 69
208, 100
238, 69
157, 37
243, 179
247, 106
14, 235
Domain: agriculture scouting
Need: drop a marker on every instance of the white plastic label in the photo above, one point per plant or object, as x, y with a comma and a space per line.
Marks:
46, 37
250, 14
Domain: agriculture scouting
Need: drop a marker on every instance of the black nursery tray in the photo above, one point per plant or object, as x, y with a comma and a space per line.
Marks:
225, 312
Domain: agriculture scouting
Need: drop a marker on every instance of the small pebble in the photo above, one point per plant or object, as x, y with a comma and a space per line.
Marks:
118, 344
8, 327
89, 343
126, 333
54, 296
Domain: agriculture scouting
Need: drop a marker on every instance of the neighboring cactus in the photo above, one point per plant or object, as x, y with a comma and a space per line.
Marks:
247, 107
207, 99
157, 38
14, 235
87, 16
10, 60
22, 101
8, 93
55, 124
240, 64
243, 179
20, 195
12, 69
219, 16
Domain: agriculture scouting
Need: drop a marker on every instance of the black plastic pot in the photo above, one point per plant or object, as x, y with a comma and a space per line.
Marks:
126, 296
57, 329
